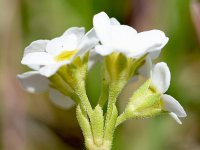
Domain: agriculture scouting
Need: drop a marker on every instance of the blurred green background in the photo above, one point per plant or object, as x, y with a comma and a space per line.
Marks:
32, 122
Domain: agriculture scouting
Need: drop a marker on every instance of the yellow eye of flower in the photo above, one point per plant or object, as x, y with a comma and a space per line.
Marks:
65, 55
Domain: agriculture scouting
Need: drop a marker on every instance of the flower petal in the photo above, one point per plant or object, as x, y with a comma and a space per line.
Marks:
49, 70
33, 82
146, 69
172, 105
103, 50
114, 21
122, 37
78, 31
36, 46
68, 41
60, 100
34, 67
37, 58
154, 54
87, 42
153, 40
161, 77
101, 23
175, 117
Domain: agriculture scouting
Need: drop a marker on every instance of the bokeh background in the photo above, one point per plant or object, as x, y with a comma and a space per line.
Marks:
32, 122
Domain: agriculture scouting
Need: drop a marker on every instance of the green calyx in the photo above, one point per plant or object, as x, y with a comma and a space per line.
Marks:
97, 125
119, 67
76, 72
144, 103
71, 77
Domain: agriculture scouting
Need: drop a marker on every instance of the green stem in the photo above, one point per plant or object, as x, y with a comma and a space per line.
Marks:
84, 123
121, 119
81, 92
91, 146
110, 127
111, 100
112, 113
92, 142
114, 91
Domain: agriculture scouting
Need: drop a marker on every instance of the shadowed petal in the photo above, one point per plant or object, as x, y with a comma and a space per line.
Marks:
87, 42
114, 21
49, 70
175, 117
36, 46
154, 54
78, 31
33, 82
60, 100
146, 69
172, 105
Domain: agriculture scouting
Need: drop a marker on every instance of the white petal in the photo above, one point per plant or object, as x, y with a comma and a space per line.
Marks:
87, 42
103, 50
175, 117
154, 54
36, 46
49, 70
67, 42
78, 31
122, 37
60, 100
172, 105
33, 82
58, 45
101, 23
114, 21
37, 58
161, 77
149, 41
146, 69
34, 67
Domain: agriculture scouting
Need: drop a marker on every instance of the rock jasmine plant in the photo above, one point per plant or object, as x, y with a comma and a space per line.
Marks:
60, 66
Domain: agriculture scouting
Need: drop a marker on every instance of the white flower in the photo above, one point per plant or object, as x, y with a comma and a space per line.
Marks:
124, 39
47, 56
34, 82
160, 78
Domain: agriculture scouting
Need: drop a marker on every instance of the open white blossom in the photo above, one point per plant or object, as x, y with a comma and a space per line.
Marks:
34, 82
160, 78
47, 56
124, 39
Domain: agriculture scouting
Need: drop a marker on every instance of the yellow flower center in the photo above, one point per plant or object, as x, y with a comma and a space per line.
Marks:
65, 55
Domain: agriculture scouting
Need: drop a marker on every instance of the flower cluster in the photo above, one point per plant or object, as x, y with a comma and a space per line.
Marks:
61, 65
